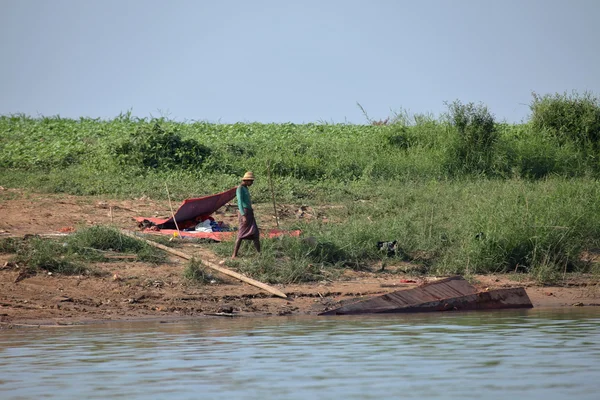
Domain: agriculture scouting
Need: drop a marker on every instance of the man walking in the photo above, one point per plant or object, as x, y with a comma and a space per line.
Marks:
248, 230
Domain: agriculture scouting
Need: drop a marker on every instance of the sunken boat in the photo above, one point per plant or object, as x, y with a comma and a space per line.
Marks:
449, 294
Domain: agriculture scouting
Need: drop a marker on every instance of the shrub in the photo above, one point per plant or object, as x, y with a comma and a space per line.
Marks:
158, 148
574, 117
477, 136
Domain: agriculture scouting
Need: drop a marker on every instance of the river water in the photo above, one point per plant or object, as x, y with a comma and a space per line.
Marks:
532, 354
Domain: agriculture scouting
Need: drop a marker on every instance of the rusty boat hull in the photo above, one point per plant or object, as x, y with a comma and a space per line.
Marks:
450, 294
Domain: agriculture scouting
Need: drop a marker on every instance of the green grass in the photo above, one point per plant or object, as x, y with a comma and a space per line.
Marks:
77, 253
466, 227
37, 254
91, 242
287, 260
197, 273
461, 193
10, 245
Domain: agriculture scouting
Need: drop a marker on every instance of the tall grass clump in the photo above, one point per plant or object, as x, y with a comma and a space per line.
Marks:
37, 254
573, 118
75, 253
88, 241
477, 137
540, 228
530, 155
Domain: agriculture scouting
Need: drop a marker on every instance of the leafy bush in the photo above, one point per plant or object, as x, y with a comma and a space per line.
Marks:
49, 142
158, 148
477, 136
300, 167
398, 137
570, 118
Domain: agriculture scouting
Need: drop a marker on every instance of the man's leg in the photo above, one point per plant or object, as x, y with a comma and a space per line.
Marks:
236, 247
256, 241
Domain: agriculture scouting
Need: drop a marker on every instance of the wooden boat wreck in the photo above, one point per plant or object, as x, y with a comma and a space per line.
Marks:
450, 294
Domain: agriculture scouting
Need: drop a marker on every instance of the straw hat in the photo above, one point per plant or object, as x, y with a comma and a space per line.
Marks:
248, 176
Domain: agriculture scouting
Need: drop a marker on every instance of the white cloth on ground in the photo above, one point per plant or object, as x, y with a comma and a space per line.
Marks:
204, 226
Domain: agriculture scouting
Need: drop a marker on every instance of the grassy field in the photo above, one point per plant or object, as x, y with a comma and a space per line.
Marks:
460, 193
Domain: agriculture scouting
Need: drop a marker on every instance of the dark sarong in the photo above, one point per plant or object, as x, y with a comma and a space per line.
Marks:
248, 230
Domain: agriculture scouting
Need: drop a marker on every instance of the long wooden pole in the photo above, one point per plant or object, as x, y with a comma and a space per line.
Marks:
172, 213
272, 193
222, 270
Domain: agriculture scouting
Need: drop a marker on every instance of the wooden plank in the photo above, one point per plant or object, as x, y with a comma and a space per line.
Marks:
210, 265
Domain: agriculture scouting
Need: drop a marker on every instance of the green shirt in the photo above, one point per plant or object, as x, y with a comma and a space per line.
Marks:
243, 198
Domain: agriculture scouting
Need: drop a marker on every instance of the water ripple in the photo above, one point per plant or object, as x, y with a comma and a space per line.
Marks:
533, 354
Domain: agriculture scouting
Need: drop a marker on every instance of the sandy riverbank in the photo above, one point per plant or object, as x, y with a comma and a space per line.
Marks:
132, 290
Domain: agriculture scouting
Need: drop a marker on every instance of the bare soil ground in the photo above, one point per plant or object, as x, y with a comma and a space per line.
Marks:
132, 290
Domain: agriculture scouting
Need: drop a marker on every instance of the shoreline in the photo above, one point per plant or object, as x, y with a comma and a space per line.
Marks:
78, 305
174, 319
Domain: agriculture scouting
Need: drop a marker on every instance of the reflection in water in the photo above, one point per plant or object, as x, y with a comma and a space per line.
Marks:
530, 354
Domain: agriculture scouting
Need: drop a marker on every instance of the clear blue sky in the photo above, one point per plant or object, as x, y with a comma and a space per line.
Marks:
302, 61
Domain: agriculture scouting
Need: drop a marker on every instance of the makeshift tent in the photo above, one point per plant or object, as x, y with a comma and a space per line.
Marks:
193, 210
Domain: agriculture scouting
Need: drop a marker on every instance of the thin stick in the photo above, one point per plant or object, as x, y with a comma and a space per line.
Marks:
431, 222
111, 215
172, 213
222, 270
272, 193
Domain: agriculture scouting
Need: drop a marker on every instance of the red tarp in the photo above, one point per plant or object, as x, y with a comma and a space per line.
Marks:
221, 236
202, 206
193, 208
